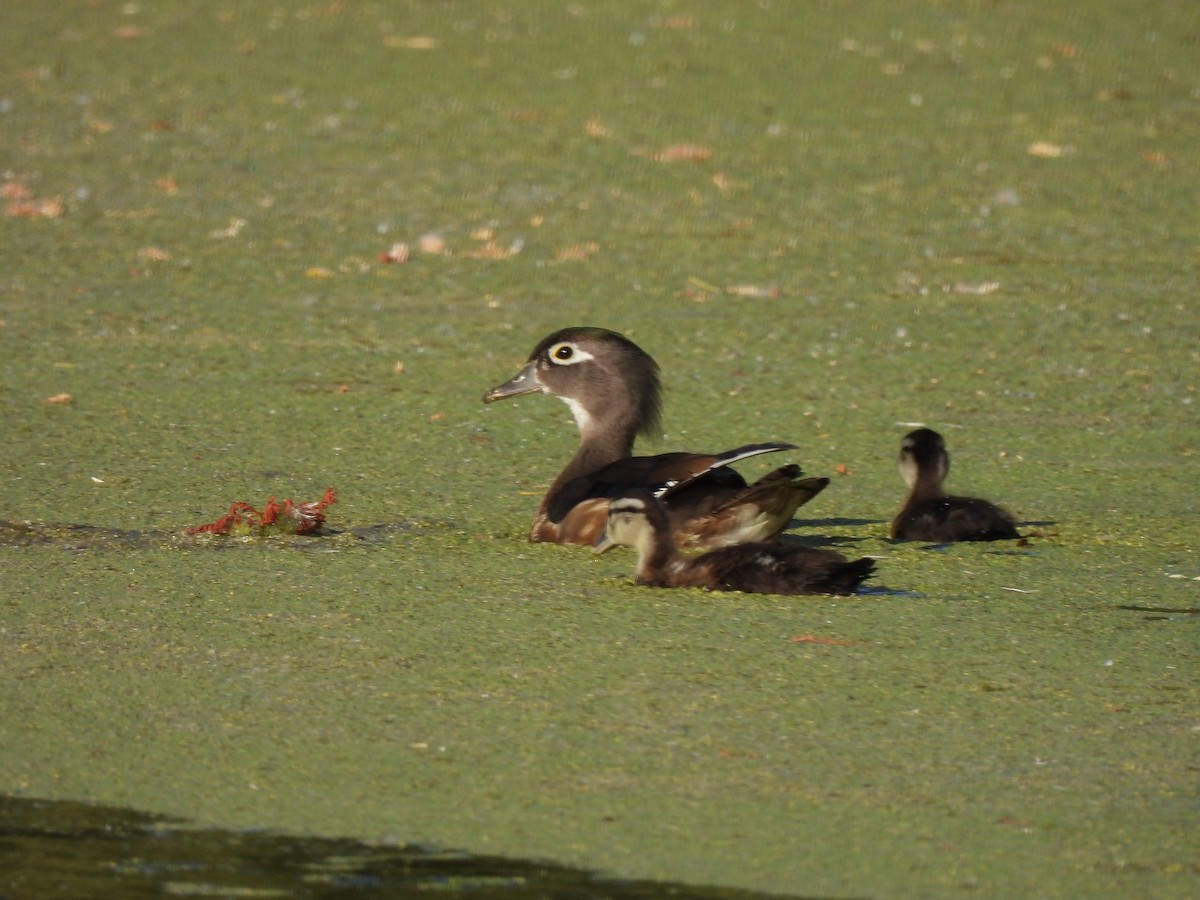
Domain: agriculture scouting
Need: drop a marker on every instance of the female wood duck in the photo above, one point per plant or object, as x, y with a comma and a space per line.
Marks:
612, 387
930, 514
636, 519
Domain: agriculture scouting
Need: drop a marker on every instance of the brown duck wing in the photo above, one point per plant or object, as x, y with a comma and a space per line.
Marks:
678, 471
663, 475
757, 512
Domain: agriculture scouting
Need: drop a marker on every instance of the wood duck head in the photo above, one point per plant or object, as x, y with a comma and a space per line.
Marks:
929, 513
612, 387
610, 384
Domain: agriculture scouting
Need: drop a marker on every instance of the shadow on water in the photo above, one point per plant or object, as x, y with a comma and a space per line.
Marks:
834, 523
70, 536
1161, 613
879, 590
53, 849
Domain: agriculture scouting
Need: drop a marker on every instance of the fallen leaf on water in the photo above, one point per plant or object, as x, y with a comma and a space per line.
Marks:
675, 23
433, 244
726, 753
757, 291
983, 288
527, 115
683, 153
235, 226
1046, 150
578, 251
411, 43
397, 253
722, 182
492, 250
46, 208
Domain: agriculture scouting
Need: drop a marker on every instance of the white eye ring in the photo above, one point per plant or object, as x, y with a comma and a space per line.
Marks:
567, 354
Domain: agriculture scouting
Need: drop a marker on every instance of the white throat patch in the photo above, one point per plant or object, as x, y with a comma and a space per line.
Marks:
582, 419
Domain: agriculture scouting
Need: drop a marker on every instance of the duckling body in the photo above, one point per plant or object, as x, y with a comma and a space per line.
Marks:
636, 519
612, 388
929, 513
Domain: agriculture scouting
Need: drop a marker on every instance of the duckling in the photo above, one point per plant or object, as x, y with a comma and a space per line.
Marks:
611, 386
929, 514
636, 519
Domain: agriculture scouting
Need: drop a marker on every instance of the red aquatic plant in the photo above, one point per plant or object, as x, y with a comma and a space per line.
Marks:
287, 517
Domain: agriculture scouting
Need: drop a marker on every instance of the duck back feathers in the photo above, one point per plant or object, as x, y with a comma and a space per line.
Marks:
636, 519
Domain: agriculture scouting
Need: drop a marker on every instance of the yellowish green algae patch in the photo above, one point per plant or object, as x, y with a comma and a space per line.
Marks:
979, 218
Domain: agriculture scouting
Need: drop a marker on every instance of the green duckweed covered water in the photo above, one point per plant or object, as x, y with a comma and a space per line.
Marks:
824, 220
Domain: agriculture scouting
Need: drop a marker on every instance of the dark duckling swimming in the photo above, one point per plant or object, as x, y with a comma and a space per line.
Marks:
612, 387
636, 519
929, 513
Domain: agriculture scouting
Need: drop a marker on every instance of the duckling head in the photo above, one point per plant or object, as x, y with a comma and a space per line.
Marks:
923, 457
635, 519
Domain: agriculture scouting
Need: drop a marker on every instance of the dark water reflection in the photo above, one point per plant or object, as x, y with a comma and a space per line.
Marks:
51, 850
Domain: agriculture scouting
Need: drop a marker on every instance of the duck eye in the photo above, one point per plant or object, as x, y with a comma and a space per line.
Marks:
568, 354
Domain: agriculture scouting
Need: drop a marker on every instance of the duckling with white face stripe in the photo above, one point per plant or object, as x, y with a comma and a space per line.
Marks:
612, 388
636, 519
929, 513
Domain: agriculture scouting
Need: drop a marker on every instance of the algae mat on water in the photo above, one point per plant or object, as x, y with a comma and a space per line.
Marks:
254, 250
